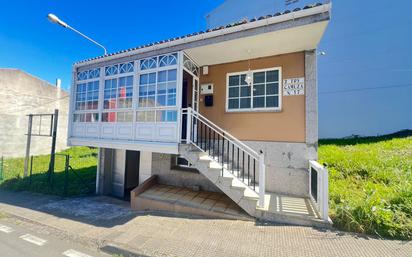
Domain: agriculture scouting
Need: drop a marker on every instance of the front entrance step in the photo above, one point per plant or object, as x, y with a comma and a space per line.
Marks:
290, 210
183, 200
242, 190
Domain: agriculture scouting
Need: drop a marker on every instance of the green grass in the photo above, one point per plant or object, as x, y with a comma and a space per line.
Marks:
83, 160
370, 184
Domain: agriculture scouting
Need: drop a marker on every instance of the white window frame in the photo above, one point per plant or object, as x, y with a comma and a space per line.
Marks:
264, 109
117, 77
156, 70
85, 111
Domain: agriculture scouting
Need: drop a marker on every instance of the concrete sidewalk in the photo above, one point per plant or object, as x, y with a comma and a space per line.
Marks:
101, 221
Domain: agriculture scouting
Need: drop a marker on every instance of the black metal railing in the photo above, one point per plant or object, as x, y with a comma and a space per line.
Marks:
233, 156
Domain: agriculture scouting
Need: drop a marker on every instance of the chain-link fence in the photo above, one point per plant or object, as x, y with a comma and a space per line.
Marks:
74, 173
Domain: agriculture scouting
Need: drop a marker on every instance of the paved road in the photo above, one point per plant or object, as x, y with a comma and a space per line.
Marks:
19, 241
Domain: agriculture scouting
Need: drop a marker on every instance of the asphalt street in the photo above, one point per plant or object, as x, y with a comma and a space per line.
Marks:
19, 241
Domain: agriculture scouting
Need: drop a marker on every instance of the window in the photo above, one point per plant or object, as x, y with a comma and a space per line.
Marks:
156, 116
86, 117
262, 94
118, 93
180, 163
158, 89
87, 96
157, 93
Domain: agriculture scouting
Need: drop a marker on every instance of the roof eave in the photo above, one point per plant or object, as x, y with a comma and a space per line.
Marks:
325, 8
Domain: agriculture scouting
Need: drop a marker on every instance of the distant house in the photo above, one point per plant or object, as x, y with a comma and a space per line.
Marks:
231, 109
22, 94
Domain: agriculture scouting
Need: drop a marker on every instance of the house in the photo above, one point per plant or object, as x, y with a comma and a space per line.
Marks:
21, 94
231, 109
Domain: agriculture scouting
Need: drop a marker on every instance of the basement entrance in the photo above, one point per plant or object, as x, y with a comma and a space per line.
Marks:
131, 176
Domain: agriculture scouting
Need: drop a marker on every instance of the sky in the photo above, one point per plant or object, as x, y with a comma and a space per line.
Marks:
365, 82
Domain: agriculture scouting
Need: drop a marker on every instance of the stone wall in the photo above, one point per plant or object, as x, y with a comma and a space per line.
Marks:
22, 94
161, 166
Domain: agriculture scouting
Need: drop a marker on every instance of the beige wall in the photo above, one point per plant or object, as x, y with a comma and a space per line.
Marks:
287, 125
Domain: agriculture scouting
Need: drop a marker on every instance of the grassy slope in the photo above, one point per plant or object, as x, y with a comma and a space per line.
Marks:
370, 184
82, 159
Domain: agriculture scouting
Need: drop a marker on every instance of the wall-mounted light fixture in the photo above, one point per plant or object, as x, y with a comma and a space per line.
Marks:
248, 78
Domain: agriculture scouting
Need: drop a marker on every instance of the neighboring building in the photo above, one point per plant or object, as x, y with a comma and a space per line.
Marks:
20, 95
199, 110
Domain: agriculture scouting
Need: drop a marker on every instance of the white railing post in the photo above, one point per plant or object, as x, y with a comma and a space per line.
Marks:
262, 179
188, 124
324, 194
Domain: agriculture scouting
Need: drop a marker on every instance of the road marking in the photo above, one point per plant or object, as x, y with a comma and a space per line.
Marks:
6, 229
73, 253
33, 239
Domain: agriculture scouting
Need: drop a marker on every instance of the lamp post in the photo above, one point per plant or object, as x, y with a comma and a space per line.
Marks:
53, 18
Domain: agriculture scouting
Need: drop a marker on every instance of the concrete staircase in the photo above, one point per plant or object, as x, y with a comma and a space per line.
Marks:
277, 208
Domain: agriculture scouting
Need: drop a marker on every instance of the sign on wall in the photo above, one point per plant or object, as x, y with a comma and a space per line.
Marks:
294, 86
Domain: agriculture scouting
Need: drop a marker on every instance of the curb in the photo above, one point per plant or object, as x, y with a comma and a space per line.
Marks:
116, 250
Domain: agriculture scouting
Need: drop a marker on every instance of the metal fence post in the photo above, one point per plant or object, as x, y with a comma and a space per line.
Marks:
53, 149
66, 174
31, 170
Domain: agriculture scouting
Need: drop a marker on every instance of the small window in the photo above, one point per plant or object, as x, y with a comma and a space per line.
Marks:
262, 94
180, 163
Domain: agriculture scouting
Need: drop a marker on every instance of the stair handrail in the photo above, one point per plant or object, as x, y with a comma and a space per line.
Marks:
223, 133
260, 157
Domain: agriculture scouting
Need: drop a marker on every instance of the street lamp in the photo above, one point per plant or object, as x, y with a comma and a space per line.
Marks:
53, 18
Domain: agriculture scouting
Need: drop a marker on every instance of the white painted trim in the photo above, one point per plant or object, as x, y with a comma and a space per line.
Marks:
248, 110
260, 23
149, 146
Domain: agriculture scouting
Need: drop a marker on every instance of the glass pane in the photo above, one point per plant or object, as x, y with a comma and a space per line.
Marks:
245, 102
95, 117
258, 89
272, 101
172, 116
245, 91
161, 100
233, 92
242, 79
144, 79
234, 80
161, 88
152, 78
234, 103
259, 77
258, 102
171, 75
108, 117
145, 116
171, 100
171, 87
162, 76
160, 116
151, 90
272, 76
272, 89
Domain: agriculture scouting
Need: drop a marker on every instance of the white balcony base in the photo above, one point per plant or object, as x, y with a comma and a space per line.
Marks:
147, 146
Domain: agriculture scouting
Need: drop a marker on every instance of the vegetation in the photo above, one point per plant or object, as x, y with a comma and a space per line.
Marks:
81, 178
370, 184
